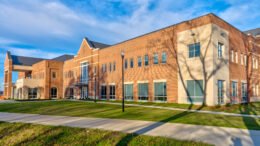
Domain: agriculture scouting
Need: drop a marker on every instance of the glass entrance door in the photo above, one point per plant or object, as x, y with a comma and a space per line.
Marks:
84, 93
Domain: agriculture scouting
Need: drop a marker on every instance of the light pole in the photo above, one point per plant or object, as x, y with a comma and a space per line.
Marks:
123, 98
95, 88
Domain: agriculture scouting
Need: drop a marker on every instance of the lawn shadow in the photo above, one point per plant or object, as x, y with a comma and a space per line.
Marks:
250, 122
129, 137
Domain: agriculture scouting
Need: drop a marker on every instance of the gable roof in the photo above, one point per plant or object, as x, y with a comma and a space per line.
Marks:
93, 44
22, 60
63, 57
253, 32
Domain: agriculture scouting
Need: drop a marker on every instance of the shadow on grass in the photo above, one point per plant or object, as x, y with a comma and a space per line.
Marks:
129, 137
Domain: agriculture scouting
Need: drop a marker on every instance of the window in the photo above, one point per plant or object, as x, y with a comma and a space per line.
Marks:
256, 90
194, 50
105, 67
104, 92
139, 61
84, 72
125, 63
112, 92
143, 91
155, 58
128, 91
245, 60
160, 91
54, 92
220, 50
236, 60
164, 57
102, 70
114, 66
146, 60
131, 62
32, 93
220, 91
232, 56
95, 70
54, 75
195, 91
234, 92
110, 67
241, 59
244, 92
71, 93
256, 63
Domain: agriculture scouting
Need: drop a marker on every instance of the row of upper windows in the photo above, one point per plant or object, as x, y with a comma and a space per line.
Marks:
112, 66
243, 59
38, 76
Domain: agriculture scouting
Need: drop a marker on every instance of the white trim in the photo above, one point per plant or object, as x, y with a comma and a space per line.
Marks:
162, 80
112, 84
104, 84
143, 81
234, 80
128, 82
85, 57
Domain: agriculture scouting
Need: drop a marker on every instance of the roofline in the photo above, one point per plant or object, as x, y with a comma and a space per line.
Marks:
176, 25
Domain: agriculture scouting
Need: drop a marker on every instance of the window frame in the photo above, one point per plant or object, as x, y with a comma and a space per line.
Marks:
164, 57
155, 58
139, 61
220, 50
54, 95
143, 97
157, 97
146, 60
192, 50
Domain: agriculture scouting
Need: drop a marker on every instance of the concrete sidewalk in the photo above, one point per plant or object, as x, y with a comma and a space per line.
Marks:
213, 135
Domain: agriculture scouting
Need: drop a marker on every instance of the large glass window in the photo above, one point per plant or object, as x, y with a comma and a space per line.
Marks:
131, 62
54, 92
104, 92
112, 92
234, 92
143, 91
105, 67
139, 61
84, 72
164, 57
220, 91
71, 92
194, 50
125, 63
160, 91
244, 92
220, 50
102, 69
128, 91
110, 67
236, 58
32, 93
155, 58
146, 60
195, 91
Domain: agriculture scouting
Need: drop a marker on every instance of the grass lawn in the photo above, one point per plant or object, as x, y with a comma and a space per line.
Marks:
32, 134
250, 109
85, 109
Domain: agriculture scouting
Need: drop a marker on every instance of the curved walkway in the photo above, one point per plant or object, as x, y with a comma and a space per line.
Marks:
208, 134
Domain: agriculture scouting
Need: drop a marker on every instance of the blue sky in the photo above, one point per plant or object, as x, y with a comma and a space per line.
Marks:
49, 28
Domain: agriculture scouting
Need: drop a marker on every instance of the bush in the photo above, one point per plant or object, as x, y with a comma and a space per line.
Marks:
228, 105
218, 106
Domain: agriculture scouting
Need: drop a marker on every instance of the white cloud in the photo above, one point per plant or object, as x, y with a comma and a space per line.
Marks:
34, 53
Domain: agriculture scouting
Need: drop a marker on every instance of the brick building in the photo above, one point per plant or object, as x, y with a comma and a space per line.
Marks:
201, 59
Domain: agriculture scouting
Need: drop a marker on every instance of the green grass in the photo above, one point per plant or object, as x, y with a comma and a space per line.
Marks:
251, 109
85, 109
32, 134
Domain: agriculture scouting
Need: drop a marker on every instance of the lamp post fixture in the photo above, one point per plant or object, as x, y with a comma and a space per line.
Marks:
123, 98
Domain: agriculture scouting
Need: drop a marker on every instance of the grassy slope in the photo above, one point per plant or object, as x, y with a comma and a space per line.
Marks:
31, 134
251, 109
84, 109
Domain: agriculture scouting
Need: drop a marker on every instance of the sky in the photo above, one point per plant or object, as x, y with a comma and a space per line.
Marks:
49, 28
